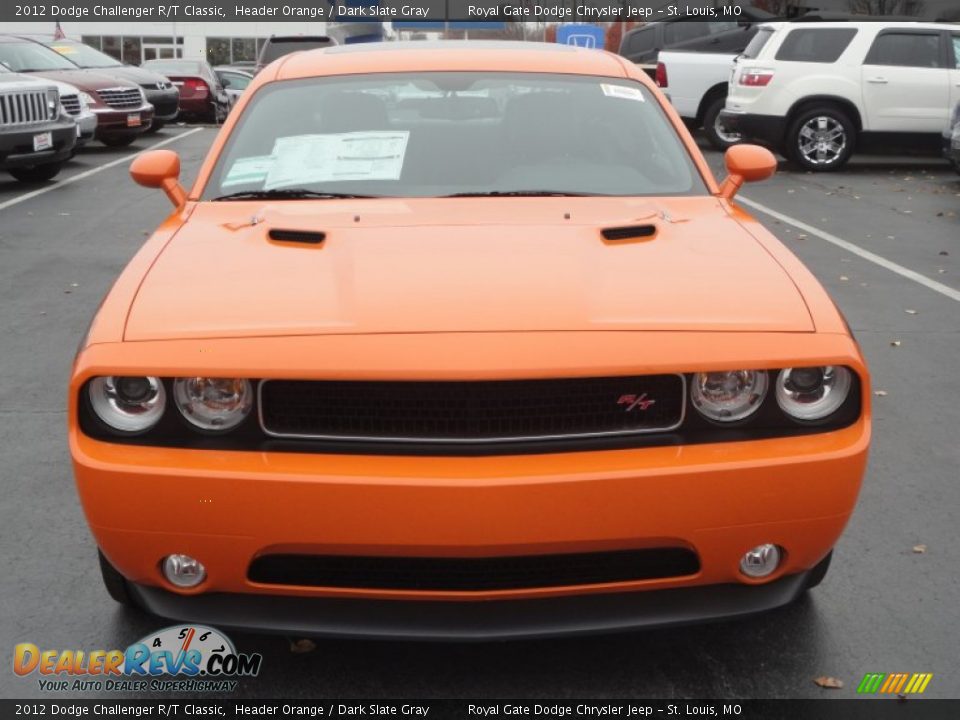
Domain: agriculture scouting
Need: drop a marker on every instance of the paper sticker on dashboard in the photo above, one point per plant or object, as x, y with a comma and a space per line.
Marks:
622, 91
308, 159
248, 170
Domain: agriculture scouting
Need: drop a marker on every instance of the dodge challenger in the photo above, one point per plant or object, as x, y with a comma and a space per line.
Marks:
463, 341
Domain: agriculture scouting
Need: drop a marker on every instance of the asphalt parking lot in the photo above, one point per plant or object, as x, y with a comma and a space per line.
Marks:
886, 606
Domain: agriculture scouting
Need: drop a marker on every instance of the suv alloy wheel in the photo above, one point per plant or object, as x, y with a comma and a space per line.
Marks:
821, 139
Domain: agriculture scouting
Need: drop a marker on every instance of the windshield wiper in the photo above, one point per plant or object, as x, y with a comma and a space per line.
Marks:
289, 194
522, 193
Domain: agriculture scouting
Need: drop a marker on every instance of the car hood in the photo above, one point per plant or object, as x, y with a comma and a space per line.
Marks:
468, 265
134, 74
85, 80
18, 81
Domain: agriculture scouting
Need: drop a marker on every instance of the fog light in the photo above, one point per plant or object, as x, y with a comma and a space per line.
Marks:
183, 570
760, 561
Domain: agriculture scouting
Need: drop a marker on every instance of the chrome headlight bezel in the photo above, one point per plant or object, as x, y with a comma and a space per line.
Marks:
121, 413
816, 401
197, 400
706, 395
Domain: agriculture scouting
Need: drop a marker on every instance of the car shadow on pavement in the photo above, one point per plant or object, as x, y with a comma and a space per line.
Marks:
744, 657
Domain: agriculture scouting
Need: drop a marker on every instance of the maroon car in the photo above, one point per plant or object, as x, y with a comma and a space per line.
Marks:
202, 97
122, 110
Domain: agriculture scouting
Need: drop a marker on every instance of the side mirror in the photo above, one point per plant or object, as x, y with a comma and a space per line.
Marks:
746, 163
160, 169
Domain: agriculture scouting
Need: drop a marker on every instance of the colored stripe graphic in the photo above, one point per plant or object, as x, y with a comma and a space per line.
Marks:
894, 683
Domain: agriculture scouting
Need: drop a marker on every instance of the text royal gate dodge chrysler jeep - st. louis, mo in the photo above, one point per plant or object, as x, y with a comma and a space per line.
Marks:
410, 361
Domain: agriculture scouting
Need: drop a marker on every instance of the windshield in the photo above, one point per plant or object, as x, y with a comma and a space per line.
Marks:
32, 57
83, 55
441, 134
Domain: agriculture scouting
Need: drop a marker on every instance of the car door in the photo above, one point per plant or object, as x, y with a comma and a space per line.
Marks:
906, 82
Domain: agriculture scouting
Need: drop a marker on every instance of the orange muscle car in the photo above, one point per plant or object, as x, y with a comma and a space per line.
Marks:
463, 341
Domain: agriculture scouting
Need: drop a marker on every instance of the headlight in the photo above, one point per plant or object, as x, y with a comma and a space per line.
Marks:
143, 96
86, 99
812, 393
129, 405
53, 99
729, 396
213, 404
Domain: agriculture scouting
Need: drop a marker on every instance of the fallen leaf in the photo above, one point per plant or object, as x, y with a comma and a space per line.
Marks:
303, 645
894, 343
941, 271
943, 252
74, 285
919, 549
906, 212
831, 683
844, 277
940, 214
910, 312
891, 237
880, 393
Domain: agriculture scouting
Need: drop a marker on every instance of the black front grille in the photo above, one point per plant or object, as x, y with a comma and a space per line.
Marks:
71, 103
473, 411
473, 574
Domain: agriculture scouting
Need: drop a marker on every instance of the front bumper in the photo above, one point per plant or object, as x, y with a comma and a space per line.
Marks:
766, 130
496, 620
230, 507
166, 104
111, 122
16, 148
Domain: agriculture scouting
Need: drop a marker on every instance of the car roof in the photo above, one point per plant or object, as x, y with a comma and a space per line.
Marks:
882, 25
450, 55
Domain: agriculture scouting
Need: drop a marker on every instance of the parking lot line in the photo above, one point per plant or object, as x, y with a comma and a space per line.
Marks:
855, 249
92, 171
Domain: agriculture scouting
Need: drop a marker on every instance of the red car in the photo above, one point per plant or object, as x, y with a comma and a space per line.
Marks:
202, 96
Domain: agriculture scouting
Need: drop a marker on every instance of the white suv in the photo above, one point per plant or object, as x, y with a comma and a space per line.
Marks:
815, 91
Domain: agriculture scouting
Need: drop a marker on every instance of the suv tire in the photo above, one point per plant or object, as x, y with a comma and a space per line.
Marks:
36, 173
819, 572
115, 583
714, 133
821, 138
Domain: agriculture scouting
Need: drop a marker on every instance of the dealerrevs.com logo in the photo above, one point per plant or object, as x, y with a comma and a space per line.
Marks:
189, 658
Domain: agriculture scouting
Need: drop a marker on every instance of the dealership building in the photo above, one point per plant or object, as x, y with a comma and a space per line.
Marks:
219, 42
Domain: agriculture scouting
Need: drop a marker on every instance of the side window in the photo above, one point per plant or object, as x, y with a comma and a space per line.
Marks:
956, 50
684, 30
642, 41
824, 45
905, 50
757, 43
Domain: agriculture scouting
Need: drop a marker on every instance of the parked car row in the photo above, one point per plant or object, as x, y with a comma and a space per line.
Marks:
59, 94
816, 92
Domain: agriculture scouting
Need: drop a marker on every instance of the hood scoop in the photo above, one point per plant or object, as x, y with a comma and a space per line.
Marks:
629, 232
308, 237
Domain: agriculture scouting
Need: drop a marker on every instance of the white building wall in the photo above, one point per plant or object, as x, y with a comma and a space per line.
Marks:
194, 34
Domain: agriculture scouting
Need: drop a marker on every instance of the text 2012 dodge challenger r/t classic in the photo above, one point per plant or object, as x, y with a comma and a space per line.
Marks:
463, 341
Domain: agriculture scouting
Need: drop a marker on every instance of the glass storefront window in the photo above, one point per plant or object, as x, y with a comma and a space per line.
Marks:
131, 51
218, 51
91, 40
244, 49
111, 46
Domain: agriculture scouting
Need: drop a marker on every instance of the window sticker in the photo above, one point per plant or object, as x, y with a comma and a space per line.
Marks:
306, 159
622, 91
248, 170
